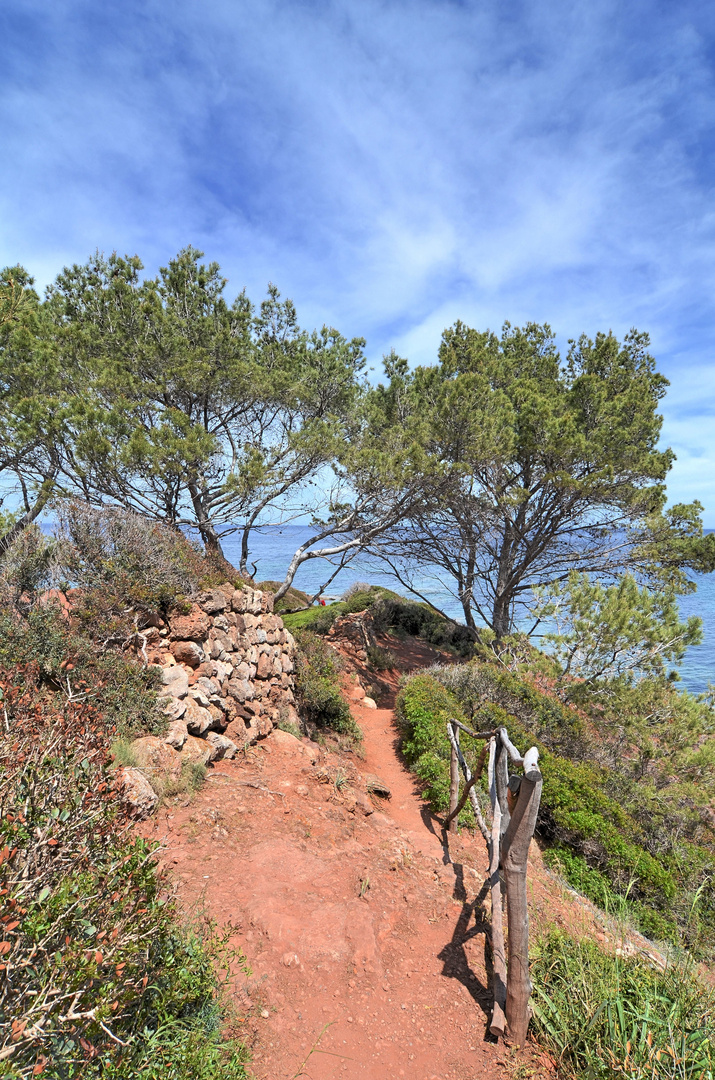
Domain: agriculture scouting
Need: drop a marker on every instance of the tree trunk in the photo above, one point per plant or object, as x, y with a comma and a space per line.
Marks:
454, 782
515, 851
30, 515
209, 536
501, 615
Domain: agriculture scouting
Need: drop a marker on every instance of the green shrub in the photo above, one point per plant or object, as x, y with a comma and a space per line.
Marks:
423, 708
131, 560
316, 619
605, 851
380, 659
98, 976
604, 1016
68, 662
392, 612
319, 699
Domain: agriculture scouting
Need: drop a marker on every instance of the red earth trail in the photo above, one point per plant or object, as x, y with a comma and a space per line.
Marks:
363, 925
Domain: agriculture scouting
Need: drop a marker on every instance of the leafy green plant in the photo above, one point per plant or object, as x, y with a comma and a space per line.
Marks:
320, 701
380, 659
422, 709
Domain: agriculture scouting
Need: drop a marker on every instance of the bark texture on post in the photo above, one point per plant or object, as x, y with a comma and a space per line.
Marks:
499, 981
453, 781
515, 852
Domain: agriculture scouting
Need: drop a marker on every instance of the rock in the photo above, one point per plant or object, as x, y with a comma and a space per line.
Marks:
283, 740
369, 703
198, 751
176, 735
364, 804
137, 792
198, 720
192, 627
264, 668
187, 652
224, 747
197, 694
176, 681
156, 758
240, 690
209, 686
376, 786
213, 601
357, 693
173, 708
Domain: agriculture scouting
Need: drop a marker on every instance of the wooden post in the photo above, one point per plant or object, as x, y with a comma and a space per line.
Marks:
454, 780
515, 851
499, 987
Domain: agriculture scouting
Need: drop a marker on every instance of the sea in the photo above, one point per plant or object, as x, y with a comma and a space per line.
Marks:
273, 547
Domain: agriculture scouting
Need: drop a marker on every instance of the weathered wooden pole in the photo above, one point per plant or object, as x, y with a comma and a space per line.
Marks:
514, 856
499, 980
453, 780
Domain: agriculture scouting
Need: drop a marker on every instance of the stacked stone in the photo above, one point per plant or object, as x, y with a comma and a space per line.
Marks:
227, 672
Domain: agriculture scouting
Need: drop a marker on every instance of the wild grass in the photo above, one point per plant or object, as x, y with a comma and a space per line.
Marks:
607, 1016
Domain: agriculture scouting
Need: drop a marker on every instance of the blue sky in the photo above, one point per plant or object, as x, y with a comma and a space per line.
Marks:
391, 166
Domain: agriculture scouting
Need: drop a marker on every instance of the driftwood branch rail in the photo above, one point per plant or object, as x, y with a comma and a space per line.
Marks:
515, 805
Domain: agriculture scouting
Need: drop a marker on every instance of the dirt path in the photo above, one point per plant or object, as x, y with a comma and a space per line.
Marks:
363, 928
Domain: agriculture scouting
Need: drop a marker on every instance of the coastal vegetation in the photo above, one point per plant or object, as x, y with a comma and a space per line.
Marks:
149, 418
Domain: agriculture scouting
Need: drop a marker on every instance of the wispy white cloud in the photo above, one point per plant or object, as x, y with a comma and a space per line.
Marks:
391, 164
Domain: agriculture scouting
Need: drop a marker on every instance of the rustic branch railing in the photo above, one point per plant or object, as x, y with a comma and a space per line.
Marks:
515, 805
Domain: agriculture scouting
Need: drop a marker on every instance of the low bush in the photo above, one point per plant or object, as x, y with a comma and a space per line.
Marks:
128, 558
391, 612
124, 692
605, 1016
423, 708
380, 659
98, 977
318, 696
601, 847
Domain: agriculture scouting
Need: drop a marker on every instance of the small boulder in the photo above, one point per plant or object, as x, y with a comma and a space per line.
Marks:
156, 758
240, 690
192, 627
137, 792
187, 652
173, 708
198, 719
364, 804
368, 703
283, 740
176, 681
213, 601
176, 735
198, 751
265, 666
224, 747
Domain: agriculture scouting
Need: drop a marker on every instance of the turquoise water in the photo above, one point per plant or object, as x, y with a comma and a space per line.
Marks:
273, 548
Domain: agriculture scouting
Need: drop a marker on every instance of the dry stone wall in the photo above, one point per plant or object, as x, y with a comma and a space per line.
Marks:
227, 680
